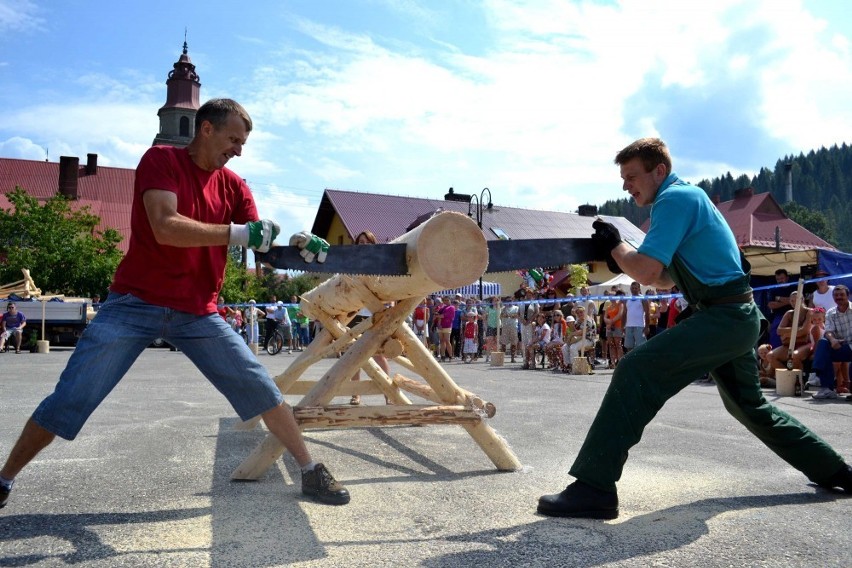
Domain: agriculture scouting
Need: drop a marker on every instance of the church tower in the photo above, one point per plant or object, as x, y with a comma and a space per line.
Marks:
177, 116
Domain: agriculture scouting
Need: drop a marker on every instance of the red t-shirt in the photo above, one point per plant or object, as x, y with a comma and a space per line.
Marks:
470, 330
187, 279
674, 311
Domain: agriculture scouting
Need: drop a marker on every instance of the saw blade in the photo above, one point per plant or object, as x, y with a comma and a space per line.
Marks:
523, 254
384, 259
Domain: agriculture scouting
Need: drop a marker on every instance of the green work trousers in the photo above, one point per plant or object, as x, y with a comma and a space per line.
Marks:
716, 339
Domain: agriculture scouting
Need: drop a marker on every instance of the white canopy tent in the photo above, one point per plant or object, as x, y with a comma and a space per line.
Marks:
622, 281
488, 289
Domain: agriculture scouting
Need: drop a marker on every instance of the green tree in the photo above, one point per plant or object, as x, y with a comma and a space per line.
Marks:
579, 276
286, 286
241, 285
813, 221
60, 246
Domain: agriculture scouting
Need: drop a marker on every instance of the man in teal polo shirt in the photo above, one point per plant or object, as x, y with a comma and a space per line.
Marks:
688, 244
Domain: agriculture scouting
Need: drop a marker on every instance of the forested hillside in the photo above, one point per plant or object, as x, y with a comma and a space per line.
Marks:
822, 193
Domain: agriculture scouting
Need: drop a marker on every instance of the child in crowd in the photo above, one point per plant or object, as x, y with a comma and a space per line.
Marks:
470, 333
766, 370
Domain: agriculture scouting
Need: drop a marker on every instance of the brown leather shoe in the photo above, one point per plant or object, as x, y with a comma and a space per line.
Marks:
321, 486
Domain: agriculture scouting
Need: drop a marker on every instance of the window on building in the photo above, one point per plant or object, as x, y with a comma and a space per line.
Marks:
501, 234
184, 126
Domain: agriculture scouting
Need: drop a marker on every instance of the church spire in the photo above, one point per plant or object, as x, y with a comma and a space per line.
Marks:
177, 116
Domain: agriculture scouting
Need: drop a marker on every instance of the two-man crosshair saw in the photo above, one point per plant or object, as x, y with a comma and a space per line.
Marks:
390, 259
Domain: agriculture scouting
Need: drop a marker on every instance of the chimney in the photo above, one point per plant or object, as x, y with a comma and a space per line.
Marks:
788, 185
744, 192
91, 164
69, 167
588, 210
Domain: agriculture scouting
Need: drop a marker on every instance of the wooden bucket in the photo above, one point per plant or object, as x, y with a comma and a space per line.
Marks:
580, 366
497, 358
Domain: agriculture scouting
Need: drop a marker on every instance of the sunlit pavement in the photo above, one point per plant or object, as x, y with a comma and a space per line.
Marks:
147, 482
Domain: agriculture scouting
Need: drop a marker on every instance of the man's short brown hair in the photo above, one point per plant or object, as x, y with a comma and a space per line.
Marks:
650, 151
217, 111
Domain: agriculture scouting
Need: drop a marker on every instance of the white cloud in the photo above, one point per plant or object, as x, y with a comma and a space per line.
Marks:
19, 15
293, 212
22, 148
544, 106
807, 88
119, 133
536, 114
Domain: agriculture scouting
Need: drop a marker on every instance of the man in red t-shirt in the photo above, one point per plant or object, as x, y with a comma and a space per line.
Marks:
187, 209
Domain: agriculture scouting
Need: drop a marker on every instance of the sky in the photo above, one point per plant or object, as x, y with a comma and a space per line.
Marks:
531, 99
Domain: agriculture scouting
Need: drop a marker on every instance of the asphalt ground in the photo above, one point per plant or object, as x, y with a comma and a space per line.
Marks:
147, 482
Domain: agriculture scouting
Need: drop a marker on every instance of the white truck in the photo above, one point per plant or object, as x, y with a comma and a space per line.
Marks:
64, 321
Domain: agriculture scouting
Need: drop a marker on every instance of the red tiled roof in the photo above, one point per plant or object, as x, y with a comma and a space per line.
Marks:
108, 193
753, 218
388, 216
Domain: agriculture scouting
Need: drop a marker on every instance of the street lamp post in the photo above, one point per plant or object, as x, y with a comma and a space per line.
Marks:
478, 211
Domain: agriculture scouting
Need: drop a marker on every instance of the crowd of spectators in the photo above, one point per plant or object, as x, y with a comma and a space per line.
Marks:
549, 329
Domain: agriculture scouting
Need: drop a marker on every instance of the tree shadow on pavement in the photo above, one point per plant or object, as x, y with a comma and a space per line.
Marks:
437, 472
586, 543
259, 523
80, 532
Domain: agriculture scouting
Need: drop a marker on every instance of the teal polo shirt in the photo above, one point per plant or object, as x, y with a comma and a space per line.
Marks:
686, 223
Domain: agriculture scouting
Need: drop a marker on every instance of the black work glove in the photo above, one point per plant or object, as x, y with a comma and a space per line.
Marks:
606, 235
605, 238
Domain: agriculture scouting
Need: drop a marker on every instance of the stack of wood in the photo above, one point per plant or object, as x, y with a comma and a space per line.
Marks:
25, 288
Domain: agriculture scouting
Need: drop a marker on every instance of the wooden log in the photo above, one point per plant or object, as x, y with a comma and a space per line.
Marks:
494, 446
406, 362
361, 352
351, 416
392, 348
434, 374
318, 349
348, 388
425, 391
483, 434
447, 251
416, 388
385, 384
325, 342
262, 458
372, 369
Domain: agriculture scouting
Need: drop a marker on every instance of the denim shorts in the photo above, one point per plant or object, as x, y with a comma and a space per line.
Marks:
634, 337
123, 328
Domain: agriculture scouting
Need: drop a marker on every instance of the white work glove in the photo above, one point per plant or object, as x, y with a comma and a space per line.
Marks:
256, 235
311, 246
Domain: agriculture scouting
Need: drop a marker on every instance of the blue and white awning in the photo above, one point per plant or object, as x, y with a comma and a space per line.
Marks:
488, 289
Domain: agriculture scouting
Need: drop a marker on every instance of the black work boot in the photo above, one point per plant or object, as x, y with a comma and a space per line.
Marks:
841, 479
321, 486
580, 500
5, 491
